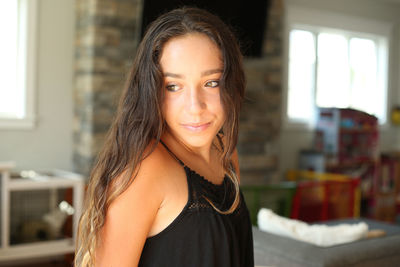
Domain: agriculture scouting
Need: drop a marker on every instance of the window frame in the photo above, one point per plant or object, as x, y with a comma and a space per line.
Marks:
317, 21
27, 46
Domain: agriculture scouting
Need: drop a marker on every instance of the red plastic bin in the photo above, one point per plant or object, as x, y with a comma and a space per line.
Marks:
324, 200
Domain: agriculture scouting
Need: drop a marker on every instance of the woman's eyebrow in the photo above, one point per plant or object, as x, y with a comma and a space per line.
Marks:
209, 72
173, 75
204, 73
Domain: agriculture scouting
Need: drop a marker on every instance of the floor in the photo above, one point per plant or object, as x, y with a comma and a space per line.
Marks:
65, 261
45, 264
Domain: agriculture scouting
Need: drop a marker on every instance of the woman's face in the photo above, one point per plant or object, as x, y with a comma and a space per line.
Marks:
192, 108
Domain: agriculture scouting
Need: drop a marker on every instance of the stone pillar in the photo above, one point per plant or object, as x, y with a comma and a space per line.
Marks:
107, 34
261, 115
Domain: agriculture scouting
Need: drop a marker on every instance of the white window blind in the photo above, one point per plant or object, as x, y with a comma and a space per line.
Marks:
335, 60
334, 70
11, 94
17, 65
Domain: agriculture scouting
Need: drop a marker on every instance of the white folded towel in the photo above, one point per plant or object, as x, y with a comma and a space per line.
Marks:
317, 234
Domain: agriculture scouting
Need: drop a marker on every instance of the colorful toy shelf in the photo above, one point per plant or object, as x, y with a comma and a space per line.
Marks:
349, 140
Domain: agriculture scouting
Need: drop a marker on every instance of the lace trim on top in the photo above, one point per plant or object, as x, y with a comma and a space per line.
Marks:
221, 195
198, 186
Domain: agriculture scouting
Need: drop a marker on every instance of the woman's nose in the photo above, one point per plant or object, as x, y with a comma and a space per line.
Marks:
195, 100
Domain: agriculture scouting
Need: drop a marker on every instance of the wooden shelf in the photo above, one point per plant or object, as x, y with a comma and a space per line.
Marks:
40, 182
37, 249
358, 130
350, 164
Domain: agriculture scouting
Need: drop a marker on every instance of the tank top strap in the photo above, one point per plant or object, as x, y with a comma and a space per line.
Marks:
172, 153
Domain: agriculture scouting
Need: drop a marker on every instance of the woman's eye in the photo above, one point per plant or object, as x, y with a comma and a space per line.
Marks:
172, 87
212, 84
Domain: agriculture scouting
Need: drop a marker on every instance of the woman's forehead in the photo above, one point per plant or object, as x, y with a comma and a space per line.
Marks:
189, 51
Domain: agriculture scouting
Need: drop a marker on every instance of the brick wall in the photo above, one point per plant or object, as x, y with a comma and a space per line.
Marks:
107, 33
261, 115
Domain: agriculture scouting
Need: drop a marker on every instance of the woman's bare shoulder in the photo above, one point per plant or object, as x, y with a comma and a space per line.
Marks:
132, 213
151, 171
156, 163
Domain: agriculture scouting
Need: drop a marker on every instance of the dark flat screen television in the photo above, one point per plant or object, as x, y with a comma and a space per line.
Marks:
246, 18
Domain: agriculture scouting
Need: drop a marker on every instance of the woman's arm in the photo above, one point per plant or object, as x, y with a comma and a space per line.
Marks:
130, 217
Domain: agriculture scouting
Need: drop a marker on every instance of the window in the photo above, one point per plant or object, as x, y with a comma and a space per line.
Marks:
335, 67
17, 67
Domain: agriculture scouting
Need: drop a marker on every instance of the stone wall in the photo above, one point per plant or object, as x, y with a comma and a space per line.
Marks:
107, 33
261, 115
106, 39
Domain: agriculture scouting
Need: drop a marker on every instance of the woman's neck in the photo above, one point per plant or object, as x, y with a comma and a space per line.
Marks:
205, 153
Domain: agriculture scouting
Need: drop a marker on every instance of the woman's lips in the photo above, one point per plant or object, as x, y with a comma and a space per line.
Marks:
196, 127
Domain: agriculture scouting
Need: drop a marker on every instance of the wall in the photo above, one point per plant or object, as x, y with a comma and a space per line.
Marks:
292, 140
49, 144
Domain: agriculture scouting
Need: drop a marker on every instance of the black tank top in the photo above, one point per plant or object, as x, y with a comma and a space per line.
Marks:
200, 236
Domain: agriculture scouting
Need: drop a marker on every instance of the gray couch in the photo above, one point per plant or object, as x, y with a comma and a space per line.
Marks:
274, 250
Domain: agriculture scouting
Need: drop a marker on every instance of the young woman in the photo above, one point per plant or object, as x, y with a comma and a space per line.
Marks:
165, 189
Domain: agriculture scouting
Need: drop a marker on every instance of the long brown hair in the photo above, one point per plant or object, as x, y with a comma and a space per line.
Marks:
139, 120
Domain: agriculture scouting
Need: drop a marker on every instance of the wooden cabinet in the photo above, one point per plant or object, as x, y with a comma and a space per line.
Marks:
51, 182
